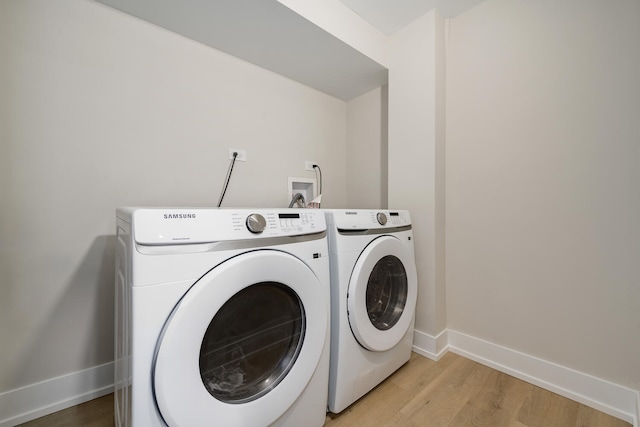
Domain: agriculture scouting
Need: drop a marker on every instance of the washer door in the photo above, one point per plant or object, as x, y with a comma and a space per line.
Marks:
382, 294
242, 344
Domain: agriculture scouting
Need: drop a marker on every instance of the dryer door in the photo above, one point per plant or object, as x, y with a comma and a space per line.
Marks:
242, 344
382, 294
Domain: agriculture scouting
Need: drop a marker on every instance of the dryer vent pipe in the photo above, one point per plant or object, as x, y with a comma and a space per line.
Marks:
298, 199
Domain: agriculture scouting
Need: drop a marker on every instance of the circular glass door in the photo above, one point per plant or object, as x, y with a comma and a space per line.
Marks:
382, 294
387, 291
252, 342
243, 342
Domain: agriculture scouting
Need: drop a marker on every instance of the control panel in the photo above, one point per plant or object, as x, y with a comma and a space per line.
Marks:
188, 226
370, 219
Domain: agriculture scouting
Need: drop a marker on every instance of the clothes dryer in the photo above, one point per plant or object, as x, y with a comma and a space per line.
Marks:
222, 318
373, 299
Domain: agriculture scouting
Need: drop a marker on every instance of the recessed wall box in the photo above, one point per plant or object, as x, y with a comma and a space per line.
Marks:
305, 186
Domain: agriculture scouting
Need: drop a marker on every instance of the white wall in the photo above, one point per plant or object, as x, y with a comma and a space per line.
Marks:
416, 156
543, 178
367, 150
100, 110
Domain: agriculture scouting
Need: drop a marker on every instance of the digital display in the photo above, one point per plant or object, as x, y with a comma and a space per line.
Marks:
394, 213
289, 216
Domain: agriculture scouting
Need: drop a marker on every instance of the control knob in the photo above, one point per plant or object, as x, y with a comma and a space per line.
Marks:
382, 218
256, 223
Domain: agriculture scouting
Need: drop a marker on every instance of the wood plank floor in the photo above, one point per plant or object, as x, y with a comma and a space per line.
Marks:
454, 391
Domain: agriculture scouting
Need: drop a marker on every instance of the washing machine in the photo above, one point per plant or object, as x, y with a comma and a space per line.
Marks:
222, 318
373, 299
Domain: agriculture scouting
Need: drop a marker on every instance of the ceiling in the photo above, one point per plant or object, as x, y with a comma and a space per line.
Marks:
268, 34
272, 36
391, 15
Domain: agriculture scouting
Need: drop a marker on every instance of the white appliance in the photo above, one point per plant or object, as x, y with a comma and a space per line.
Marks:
373, 299
222, 318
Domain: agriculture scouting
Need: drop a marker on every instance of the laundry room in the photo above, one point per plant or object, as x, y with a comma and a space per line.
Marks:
509, 130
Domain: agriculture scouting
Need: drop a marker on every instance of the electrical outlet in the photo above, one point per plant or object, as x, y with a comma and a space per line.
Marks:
242, 155
308, 165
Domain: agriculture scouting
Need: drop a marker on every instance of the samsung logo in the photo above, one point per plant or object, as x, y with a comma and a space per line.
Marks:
350, 213
180, 216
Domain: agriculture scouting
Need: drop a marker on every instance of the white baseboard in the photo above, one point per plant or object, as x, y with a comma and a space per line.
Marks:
636, 422
36, 400
46, 397
429, 346
613, 399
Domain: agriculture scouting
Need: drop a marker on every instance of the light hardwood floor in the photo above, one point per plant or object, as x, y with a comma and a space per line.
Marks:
454, 391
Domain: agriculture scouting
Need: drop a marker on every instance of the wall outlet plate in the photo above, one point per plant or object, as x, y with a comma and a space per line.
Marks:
308, 165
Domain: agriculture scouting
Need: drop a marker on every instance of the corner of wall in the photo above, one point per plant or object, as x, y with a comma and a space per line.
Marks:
429, 346
384, 147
